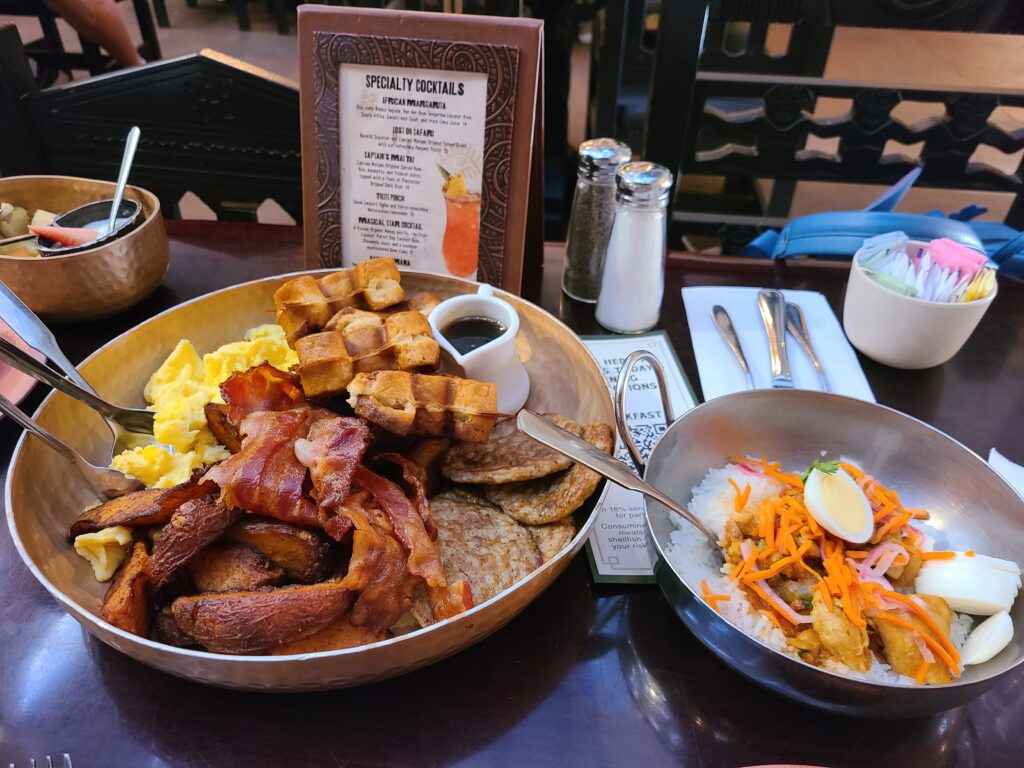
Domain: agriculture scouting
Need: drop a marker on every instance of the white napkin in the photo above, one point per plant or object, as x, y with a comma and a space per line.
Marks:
1012, 473
720, 374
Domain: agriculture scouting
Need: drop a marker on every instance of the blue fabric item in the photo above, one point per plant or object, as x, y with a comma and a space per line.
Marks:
841, 234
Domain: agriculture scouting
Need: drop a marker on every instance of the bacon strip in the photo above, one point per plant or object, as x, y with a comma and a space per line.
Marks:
412, 473
261, 388
409, 528
332, 452
376, 569
265, 477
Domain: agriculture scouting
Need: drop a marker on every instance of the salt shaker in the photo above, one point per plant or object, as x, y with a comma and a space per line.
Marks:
633, 281
590, 221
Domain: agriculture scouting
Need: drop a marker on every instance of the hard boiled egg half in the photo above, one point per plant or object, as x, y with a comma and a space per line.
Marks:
838, 504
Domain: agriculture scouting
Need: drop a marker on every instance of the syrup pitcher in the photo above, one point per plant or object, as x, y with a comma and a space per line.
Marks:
479, 332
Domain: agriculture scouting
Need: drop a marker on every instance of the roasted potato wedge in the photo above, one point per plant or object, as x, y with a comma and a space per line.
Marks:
193, 526
166, 630
125, 604
152, 506
227, 567
256, 622
304, 555
340, 634
222, 427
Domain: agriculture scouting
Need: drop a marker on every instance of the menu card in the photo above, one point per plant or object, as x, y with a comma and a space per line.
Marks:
618, 548
412, 149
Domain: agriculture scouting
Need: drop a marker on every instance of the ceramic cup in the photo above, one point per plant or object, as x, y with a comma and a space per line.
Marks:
495, 361
904, 332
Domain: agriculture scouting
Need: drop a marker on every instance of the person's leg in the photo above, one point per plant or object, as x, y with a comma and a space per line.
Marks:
99, 21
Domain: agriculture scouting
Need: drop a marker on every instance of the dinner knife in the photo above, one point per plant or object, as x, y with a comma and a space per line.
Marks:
772, 305
725, 327
796, 324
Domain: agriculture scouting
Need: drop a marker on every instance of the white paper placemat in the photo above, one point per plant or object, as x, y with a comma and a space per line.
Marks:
720, 374
617, 548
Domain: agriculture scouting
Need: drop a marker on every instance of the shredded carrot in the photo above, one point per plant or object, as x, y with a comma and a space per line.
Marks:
855, 472
857, 554
710, 597
770, 600
893, 524
937, 555
969, 553
922, 672
918, 514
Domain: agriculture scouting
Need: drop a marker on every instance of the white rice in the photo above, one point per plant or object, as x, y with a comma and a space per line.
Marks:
713, 502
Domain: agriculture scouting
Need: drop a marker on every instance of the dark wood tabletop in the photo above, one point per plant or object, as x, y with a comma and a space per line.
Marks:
586, 675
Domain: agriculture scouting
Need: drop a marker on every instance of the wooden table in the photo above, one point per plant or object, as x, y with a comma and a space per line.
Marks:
584, 676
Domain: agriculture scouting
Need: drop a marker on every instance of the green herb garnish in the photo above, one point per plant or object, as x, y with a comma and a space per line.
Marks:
761, 544
828, 467
444, 171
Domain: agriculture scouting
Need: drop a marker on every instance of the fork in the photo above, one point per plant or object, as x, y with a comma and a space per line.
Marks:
66, 763
104, 480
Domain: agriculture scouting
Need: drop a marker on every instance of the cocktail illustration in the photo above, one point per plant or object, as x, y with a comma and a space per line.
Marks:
462, 228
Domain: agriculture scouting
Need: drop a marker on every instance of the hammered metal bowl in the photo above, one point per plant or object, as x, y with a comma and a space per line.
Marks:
42, 497
971, 507
95, 282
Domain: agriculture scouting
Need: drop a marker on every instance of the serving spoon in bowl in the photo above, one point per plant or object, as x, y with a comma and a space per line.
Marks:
576, 448
104, 480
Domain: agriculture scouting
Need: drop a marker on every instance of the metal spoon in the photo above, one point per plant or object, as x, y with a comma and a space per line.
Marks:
130, 145
135, 420
23, 321
725, 327
578, 449
104, 480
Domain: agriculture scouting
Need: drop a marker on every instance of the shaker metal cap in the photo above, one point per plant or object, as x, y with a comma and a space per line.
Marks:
643, 182
601, 157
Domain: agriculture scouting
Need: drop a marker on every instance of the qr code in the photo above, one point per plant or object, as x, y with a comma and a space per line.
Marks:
644, 435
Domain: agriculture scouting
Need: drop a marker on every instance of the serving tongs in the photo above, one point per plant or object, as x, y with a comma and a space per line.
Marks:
576, 448
24, 322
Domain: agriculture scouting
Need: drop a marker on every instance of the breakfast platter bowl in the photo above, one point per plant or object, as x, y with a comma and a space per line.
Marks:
971, 506
92, 282
42, 499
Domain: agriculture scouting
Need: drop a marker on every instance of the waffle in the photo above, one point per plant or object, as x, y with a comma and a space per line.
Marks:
358, 341
421, 301
420, 404
305, 304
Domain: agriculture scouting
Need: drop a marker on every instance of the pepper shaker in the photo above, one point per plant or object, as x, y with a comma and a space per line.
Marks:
633, 281
590, 220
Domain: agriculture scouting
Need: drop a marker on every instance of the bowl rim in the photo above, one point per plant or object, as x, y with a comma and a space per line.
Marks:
153, 214
74, 608
938, 306
958, 683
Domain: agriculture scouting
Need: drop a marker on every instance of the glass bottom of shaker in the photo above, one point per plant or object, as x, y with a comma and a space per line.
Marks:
573, 296
630, 332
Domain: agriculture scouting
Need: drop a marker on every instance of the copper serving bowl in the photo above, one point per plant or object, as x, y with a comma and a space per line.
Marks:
95, 282
42, 497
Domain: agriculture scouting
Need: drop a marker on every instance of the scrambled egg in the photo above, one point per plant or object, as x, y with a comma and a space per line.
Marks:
180, 389
105, 550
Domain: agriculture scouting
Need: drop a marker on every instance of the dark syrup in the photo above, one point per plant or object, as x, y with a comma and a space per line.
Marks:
469, 333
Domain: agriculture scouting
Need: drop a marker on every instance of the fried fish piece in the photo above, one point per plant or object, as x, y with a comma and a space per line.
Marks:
255, 622
555, 497
844, 640
126, 604
553, 537
193, 526
228, 567
150, 506
304, 555
901, 649
481, 544
508, 456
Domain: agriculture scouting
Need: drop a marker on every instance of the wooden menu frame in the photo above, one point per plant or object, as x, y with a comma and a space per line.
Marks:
508, 51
